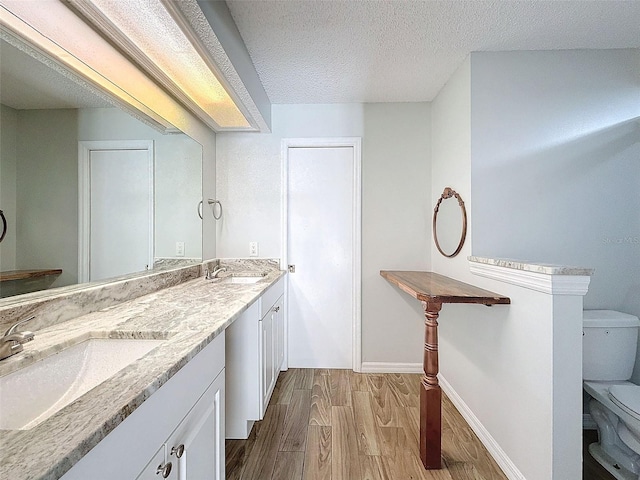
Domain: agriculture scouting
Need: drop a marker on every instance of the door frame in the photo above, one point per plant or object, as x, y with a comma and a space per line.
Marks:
84, 195
356, 248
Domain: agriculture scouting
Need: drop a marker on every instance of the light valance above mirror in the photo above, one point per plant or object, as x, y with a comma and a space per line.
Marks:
158, 58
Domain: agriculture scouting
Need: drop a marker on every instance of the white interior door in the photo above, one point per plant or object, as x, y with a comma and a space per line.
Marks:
117, 206
323, 244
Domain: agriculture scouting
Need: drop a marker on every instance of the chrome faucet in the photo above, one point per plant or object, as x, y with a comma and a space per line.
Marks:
12, 341
209, 275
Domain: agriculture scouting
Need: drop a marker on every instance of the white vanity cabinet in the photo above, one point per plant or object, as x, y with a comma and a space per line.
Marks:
200, 437
153, 469
272, 326
193, 451
255, 354
278, 315
181, 423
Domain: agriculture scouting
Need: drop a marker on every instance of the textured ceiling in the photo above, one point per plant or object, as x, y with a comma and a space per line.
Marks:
26, 83
404, 51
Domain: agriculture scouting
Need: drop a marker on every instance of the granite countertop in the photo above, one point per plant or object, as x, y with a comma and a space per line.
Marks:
544, 268
188, 316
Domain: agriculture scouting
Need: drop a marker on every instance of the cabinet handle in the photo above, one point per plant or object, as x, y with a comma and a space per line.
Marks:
178, 451
276, 309
164, 469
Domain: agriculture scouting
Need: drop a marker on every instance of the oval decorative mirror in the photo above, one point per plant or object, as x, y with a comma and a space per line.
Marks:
449, 223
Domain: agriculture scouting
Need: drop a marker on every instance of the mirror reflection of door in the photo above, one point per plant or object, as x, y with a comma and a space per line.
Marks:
117, 235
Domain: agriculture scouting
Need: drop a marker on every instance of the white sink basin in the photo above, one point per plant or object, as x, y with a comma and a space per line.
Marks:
242, 279
34, 393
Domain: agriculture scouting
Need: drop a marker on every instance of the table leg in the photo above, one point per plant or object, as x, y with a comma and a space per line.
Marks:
430, 393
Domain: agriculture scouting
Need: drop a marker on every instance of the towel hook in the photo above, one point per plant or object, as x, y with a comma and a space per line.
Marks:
214, 203
4, 225
213, 210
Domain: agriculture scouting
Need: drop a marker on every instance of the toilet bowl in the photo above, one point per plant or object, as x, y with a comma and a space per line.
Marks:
609, 351
627, 398
618, 446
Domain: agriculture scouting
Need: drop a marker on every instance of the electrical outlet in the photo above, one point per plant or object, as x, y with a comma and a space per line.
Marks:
179, 249
253, 249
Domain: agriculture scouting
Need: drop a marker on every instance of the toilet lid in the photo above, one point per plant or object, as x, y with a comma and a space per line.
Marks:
627, 397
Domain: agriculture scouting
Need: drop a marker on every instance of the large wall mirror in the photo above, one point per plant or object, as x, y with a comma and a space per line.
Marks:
47, 121
449, 223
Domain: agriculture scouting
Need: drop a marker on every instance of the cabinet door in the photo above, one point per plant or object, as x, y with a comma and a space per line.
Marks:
156, 468
278, 330
197, 446
267, 359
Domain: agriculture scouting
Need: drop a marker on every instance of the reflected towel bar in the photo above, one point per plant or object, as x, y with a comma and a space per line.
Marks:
4, 225
213, 210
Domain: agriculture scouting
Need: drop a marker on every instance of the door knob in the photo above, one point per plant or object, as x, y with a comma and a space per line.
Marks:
164, 469
178, 451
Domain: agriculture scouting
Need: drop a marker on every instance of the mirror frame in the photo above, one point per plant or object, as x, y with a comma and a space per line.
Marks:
446, 194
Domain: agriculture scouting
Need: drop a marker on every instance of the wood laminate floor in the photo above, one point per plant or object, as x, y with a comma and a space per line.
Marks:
341, 425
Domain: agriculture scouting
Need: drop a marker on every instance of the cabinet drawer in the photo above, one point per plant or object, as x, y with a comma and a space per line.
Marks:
271, 296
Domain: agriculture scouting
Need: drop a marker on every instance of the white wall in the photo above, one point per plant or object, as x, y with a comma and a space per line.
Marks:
555, 165
208, 142
395, 213
498, 360
451, 158
8, 165
544, 148
47, 192
207, 139
396, 226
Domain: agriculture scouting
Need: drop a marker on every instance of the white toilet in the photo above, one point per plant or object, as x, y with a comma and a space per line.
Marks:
610, 341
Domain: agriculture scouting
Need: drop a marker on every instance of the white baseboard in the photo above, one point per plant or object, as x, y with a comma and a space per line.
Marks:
499, 455
387, 367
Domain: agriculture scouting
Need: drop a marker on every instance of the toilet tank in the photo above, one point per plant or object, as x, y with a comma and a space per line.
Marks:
609, 343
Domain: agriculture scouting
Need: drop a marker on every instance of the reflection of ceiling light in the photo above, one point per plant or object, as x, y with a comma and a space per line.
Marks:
40, 33
154, 34
149, 31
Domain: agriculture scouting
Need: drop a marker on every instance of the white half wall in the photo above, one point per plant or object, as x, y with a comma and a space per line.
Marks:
395, 210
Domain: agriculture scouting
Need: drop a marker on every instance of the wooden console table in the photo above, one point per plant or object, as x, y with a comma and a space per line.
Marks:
433, 290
